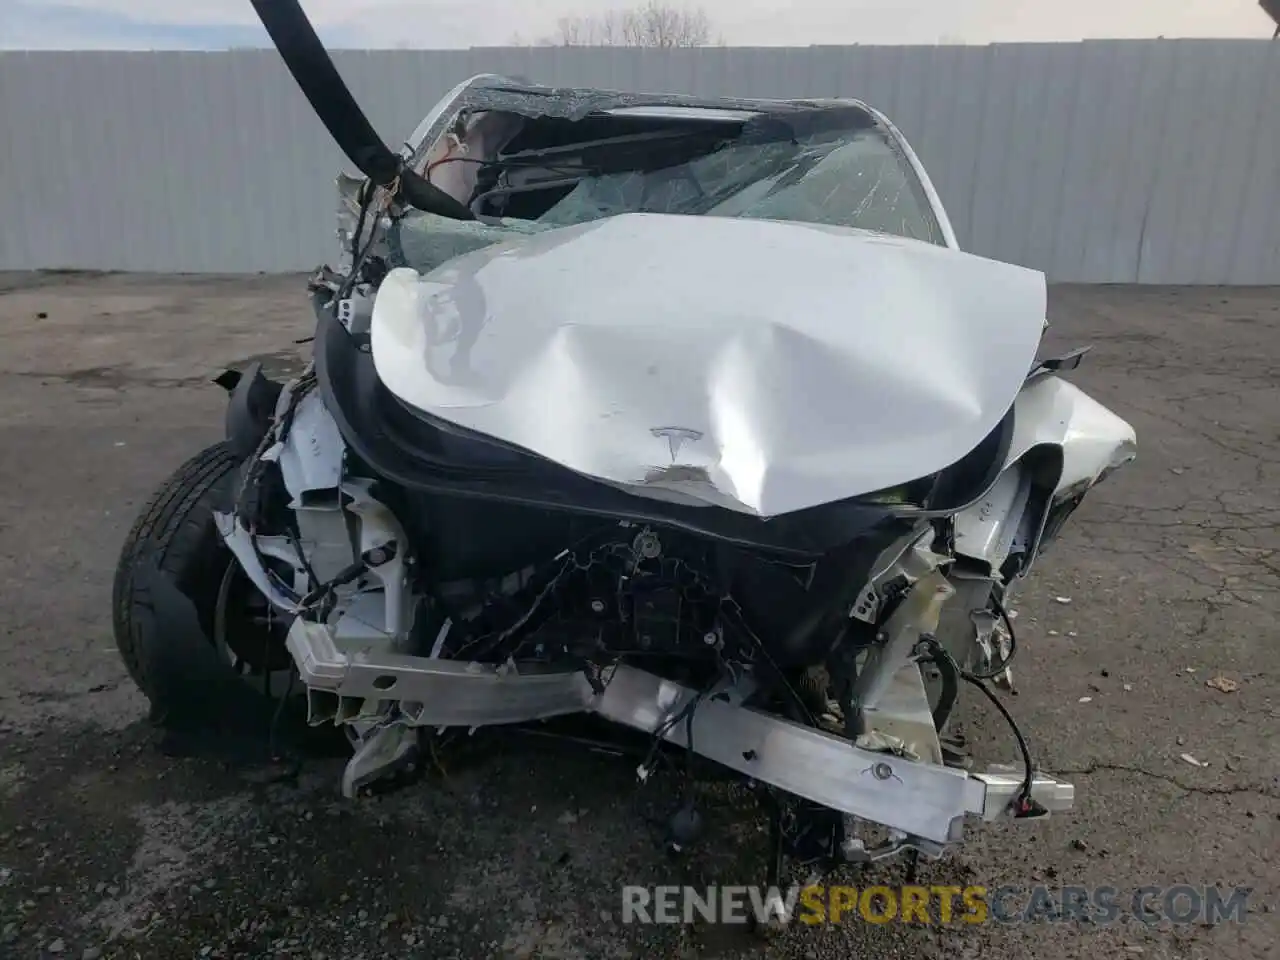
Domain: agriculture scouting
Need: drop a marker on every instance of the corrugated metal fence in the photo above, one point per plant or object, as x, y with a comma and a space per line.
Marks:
1112, 161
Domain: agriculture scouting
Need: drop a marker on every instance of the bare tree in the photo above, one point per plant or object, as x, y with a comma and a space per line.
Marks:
652, 24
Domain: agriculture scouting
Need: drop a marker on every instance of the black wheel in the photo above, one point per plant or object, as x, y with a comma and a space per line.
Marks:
197, 638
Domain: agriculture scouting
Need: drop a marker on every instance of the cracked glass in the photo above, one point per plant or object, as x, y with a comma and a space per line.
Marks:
850, 176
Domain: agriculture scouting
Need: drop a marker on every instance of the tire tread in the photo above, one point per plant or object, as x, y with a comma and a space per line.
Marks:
171, 526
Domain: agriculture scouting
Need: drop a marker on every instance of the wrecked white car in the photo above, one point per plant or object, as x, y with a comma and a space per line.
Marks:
686, 414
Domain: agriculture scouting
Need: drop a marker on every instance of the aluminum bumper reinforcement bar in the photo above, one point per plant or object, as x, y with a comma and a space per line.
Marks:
924, 800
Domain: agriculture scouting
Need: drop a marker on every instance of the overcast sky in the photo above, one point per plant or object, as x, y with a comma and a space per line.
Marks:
213, 24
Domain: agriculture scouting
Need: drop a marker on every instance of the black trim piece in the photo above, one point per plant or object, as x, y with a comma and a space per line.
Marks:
227, 380
314, 71
973, 474
250, 408
1067, 361
319, 80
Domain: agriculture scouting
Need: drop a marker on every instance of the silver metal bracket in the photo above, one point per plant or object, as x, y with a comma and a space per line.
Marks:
383, 750
926, 801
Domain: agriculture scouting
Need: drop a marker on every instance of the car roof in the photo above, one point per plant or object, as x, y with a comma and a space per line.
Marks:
572, 103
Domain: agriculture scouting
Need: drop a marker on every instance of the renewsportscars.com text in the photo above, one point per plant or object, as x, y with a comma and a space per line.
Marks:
1100, 905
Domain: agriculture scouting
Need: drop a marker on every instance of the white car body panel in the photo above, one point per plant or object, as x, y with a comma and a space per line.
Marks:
1053, 412
762, 366
1050, 412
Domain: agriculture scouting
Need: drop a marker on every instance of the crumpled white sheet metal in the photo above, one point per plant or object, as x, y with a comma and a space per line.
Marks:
761, 366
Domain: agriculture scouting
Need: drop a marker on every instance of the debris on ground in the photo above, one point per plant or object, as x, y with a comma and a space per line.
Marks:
1188, 758
1222, 684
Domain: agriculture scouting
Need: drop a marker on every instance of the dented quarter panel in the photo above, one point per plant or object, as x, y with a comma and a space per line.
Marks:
796, 364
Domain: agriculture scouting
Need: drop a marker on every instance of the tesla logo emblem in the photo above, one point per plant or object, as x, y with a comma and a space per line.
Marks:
676, 437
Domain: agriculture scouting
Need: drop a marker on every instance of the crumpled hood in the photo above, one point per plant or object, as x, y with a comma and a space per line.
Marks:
763, 366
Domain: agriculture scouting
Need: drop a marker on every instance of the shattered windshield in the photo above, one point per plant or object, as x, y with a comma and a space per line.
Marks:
832, 173
850, 180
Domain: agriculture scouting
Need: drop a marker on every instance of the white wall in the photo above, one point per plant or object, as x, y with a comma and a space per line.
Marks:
1118, 161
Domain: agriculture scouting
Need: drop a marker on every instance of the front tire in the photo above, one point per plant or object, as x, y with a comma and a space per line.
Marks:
175, 660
